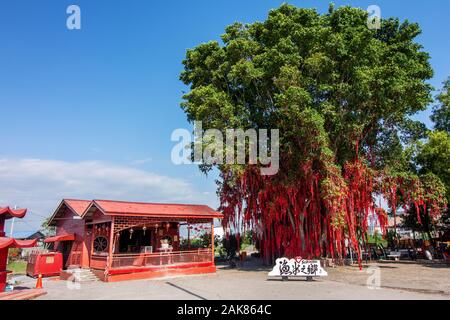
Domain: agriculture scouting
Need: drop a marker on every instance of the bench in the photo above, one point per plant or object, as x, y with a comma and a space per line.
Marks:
394, 255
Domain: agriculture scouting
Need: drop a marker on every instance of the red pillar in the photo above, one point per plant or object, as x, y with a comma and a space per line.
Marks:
3, 272
189, 236
111, 245
212, 240
3, 257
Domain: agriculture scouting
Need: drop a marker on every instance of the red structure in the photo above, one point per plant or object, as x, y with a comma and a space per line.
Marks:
129, 240
6, 243
45, 264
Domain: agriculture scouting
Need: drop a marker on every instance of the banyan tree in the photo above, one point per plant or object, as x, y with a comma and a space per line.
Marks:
342, 96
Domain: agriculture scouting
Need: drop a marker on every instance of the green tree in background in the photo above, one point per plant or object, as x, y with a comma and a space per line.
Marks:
441, 112
433, 158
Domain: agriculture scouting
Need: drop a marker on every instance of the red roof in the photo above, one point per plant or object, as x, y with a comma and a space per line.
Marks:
77, 206
13, 243
110, 207
10, 213
61, 237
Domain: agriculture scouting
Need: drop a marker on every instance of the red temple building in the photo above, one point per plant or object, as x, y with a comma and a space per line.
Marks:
119, 240
6, 243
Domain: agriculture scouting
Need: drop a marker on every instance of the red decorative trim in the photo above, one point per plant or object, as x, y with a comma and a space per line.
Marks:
62, 237
159, 273
127, 208
126, 222
160, 268
10, 213
13, 243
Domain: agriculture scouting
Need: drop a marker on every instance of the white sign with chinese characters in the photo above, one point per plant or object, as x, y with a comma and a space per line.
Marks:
297, 267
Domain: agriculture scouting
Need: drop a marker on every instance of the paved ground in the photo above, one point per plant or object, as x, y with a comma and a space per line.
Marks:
397, 280
430, 278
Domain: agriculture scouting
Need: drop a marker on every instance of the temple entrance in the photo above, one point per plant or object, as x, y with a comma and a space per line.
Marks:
66, 247
135, 241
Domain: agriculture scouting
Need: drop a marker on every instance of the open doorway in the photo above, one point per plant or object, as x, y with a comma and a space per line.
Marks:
65, 249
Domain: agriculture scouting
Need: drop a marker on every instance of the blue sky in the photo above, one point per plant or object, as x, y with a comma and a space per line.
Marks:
89, 113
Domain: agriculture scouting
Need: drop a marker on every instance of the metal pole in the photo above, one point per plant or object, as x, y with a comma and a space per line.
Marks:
11, 236
12, 224
12, 228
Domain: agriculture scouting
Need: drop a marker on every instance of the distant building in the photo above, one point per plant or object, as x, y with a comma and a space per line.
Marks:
373, 224
29, 235
404, 233
398, 220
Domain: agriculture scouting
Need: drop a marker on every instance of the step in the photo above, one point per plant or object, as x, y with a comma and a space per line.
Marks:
83, 275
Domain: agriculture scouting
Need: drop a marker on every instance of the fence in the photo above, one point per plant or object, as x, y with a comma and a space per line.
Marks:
161, 259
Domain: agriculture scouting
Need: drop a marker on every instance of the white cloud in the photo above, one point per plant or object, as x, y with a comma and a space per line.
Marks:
39, 185
141, 161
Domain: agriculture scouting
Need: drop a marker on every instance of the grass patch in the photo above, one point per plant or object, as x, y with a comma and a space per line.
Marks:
17, 267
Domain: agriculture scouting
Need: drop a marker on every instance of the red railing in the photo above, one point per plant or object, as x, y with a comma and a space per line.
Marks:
161, 259
98, 261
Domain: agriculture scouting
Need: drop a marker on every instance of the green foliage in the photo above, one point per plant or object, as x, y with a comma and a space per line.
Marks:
434, 157
247, 239
46, 229
377, 239
324, 80
17, 267
14, 254
202, 241
410, 221
441, 112
392, 236
430, 158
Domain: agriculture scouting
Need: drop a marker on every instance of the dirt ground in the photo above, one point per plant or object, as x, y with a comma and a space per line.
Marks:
431, 278
389, 280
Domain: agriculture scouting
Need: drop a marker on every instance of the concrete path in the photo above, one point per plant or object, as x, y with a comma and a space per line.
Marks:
252, 283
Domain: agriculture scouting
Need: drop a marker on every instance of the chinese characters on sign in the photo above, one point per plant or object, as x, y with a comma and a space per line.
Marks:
297, 267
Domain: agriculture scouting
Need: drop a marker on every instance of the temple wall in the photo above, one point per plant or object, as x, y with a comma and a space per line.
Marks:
68, 225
